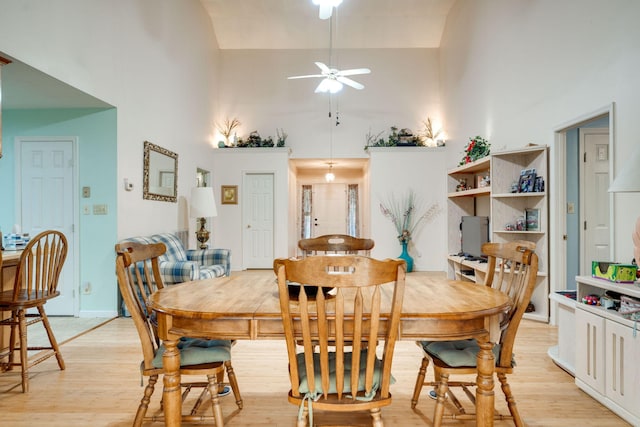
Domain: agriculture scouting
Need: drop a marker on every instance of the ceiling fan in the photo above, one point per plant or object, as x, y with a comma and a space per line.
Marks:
326, 7
334, 79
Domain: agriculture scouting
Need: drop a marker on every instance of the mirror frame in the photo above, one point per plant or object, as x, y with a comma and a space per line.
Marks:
146, 194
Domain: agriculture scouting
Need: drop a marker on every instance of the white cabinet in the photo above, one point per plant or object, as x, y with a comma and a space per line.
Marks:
590, 350
608, 350
622, 378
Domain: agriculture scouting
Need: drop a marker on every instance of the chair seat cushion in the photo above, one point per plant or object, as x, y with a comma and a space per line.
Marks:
456, 353
304, 385
197, 351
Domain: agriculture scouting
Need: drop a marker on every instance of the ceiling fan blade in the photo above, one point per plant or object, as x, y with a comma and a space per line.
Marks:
350, 82
323, 68
305, 77
354, 71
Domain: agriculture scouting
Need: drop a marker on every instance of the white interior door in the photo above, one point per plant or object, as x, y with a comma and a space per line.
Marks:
47, 203
594, 197
258, 220
329, 209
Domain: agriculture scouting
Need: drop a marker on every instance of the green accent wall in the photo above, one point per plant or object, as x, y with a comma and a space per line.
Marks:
96, 132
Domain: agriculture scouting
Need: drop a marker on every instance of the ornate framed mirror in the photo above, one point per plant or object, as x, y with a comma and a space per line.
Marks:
160, 174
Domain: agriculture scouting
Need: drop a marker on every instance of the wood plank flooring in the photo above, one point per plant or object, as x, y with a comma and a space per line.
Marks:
101, 386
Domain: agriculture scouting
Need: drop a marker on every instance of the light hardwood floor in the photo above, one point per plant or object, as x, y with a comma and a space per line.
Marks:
101, 386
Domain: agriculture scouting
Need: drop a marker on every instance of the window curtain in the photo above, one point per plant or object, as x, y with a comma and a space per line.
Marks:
353, 226
305, 223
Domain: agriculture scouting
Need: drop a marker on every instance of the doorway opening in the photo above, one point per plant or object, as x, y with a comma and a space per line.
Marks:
583, 156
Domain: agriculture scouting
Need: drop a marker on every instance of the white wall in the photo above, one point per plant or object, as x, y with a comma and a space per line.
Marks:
392, 173
229, 167
154, 61
402, 90
514, 70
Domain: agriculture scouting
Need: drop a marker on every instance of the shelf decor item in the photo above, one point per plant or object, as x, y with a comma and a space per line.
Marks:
532, 219
403, 215
477, 148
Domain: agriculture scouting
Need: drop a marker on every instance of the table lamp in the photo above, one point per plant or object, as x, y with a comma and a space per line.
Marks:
203, 206
628, 181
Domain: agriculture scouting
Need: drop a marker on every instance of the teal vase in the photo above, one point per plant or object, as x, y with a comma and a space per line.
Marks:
405, 256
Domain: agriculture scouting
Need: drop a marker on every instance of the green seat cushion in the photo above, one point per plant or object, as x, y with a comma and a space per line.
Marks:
456, 353
304, 385
196, 351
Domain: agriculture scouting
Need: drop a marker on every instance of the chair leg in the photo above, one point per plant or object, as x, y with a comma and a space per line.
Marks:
419, 382
233, 382
215, 400
144, 403
24, 362
12, 340
52, 338
376, 415
511, 401
443, 387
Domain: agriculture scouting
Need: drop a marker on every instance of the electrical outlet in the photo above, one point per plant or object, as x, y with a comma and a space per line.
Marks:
86, 288
86, 210
99, 209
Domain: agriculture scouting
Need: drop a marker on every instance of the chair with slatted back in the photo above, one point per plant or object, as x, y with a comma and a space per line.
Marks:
511, 268
139, 276
325, 374
36, 282
335, 244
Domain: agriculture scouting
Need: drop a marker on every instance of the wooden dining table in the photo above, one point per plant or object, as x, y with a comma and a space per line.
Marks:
245, 306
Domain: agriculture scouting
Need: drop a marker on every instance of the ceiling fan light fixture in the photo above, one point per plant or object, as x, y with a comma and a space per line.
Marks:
326, 7
329, 85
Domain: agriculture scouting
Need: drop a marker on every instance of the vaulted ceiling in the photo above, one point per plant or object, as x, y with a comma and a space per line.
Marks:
266, 24
294, 24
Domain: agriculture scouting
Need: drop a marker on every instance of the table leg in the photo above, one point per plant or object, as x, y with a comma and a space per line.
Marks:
484, 392
171, 394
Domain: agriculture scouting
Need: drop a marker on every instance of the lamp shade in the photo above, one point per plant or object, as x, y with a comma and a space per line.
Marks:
628, 180
203, 204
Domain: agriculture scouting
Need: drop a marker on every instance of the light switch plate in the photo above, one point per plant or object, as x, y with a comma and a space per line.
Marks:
86, 192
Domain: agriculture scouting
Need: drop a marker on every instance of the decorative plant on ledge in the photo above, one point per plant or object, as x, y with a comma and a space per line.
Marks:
405, 137
253, 140
477, 148
429, 137
227, 128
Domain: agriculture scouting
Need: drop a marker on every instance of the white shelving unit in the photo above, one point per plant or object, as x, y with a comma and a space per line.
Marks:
473, 201
507, 208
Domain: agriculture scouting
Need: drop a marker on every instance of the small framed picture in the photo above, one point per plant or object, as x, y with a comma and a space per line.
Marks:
532, 219
229, 194
526, 182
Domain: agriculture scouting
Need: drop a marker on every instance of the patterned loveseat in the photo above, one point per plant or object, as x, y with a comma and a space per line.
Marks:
178, 265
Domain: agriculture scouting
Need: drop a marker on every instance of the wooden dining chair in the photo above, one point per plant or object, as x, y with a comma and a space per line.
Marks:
511, 268
334, 369
36, 282
138, 277
335, 244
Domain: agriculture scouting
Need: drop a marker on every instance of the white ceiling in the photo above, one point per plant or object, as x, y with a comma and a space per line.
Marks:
361, 24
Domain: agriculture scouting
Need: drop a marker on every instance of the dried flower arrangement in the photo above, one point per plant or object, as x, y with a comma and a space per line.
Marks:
227, 128
402, 214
